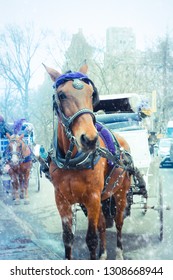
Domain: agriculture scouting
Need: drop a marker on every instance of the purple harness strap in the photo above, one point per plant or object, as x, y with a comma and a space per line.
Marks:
27, 159
108, 138
70, 76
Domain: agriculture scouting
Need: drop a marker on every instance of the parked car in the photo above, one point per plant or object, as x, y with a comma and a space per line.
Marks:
165, 151
164, 147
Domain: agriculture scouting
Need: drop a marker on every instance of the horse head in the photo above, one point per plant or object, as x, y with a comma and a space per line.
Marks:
75, 96
15, 149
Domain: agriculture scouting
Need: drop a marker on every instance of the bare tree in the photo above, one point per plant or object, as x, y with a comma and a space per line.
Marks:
8, 101
18, 48
42, 113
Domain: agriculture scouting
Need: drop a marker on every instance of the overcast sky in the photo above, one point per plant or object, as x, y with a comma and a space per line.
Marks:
148, 18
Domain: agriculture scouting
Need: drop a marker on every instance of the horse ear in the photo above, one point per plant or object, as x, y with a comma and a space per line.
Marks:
53, 73
84, 68
21, 136
8, 135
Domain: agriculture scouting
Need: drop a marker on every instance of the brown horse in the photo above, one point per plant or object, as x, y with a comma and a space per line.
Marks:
79, 166
19, 160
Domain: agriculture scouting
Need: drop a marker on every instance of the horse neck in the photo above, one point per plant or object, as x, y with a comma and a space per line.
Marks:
25, 150
63, 141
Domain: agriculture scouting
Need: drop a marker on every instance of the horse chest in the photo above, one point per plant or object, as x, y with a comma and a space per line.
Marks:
77, 186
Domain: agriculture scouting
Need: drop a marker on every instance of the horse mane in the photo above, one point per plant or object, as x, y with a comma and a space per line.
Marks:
67, 72
18, 125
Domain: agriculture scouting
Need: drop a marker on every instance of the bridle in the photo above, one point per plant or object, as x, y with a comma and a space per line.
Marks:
87, 159
10, 153
68, 121
78, 80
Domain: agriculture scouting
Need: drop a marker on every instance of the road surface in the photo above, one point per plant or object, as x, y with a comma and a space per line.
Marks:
34, 231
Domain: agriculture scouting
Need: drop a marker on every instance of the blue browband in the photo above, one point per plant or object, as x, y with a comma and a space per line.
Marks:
71, 76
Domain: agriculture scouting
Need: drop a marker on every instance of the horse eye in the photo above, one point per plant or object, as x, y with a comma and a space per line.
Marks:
62, 96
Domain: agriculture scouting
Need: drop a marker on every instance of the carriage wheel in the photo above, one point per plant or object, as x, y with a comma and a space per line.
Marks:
38, 176
144, 205
161, 209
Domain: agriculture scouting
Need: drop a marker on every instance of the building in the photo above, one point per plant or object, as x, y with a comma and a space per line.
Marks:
120, 39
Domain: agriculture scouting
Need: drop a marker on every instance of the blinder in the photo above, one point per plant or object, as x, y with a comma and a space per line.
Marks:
96, 99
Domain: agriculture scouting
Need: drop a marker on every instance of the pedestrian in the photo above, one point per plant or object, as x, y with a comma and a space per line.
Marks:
4, 128
43, 155
152, 140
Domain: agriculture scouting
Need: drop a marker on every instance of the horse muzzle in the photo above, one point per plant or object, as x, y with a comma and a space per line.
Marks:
88, 144
14, 160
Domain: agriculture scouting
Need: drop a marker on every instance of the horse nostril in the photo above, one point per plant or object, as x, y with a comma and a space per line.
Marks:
87, 142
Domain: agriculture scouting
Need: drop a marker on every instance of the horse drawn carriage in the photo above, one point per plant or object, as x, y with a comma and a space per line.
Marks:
24, 141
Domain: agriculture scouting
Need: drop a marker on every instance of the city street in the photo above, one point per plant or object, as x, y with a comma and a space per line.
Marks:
34, 231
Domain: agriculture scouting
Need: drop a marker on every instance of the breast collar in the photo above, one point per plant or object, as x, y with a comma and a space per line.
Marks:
78, 162
27, 158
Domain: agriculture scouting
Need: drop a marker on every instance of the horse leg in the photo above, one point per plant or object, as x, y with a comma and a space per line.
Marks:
15, 192
24, 186
15, 187
26, 196
120, 198
68, 236
22, 191
93, 210
102, 237
65, 212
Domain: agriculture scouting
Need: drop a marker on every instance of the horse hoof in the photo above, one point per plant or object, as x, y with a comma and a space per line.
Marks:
103, 256
22, 196
26, 201
119, 254
16, 201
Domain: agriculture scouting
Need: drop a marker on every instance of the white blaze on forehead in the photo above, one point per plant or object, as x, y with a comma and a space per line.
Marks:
14, 157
